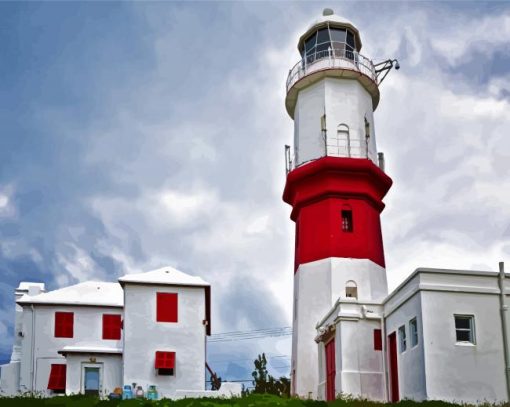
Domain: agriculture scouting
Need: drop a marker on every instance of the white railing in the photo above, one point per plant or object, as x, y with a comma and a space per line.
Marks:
337, 57
339, 145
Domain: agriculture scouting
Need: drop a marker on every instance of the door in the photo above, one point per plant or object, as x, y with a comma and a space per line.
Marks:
91, 381
330, 370
392, 342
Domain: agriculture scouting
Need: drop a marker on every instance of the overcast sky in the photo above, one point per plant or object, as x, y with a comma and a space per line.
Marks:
137, 135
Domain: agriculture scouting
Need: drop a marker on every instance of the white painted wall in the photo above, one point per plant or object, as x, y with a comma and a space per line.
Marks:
9, 379
110, 372
39, 351
468, 373
143, 336
317, 286
411, 363
343, 101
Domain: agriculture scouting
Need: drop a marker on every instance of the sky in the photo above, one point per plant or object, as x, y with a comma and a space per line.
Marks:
135, 135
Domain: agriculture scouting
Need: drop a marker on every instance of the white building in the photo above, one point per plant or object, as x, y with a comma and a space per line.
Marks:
149, 329
443, 334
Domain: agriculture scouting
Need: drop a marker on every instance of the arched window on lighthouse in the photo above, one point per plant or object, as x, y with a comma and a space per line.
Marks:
351, 289
339, 145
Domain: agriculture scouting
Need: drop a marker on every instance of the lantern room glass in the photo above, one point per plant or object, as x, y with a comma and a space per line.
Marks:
329, 42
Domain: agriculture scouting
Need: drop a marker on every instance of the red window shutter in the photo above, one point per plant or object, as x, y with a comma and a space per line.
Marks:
111, 326
57, 379
377, 339
166, 307
164, 360
64, 324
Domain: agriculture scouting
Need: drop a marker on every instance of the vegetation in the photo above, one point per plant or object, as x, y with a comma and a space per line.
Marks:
265, 383
252, 400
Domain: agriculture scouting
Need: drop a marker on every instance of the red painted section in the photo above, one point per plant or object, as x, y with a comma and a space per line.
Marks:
167, 307
64, 324
318, 193
164, 360
377, 339
394, 392
112, 325
57, 379
330, 370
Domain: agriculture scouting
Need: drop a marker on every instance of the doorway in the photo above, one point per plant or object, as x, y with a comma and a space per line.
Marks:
330, 370
91, 380
394, 392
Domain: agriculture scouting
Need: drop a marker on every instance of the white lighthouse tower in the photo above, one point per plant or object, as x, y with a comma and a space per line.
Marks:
335, 185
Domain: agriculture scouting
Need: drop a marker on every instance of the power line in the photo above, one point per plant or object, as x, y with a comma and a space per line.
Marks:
250, 334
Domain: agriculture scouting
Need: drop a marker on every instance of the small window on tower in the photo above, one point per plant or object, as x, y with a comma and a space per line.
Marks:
347, 220
351, 289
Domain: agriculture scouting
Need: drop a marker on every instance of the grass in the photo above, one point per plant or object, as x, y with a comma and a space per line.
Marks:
252, 400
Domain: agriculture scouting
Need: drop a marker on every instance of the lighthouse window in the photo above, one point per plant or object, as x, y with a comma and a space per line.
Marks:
323, 43
347, 220
351, 289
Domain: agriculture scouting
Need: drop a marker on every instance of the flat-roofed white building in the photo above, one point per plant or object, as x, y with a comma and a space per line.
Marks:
148, 329
442, 334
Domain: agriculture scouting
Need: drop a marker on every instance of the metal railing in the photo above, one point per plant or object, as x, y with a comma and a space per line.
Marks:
340, 145
336, 57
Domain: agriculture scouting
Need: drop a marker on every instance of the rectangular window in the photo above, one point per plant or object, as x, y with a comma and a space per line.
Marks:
64, 324
57, 379
111, 326
377, 339
165, 363
465, 328
166, 307
402, 338
347, 221
413, 332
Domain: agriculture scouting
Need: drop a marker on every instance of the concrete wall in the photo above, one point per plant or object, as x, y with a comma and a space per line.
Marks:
317, 286
9, 379
411, 363
110, 372
459, 371
344, 101
144, 336
39, 351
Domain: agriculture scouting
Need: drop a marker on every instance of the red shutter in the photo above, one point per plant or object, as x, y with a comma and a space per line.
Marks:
64, 324
165, 360
377, 339
57, 380
111, 326
166, 307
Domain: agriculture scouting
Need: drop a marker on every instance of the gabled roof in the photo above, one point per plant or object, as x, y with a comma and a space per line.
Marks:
92, 293
164, 276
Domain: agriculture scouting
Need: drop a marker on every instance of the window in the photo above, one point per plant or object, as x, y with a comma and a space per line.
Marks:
165, 363
64, 324
413, 332
166, 307
465, 328
402, 338
377, 339
351, 289
57, 379
111, 326
347, 220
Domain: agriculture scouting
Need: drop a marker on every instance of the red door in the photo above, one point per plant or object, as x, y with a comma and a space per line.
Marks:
330, 370
392, 341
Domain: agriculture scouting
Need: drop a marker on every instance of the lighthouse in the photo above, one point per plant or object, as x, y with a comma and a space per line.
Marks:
335, 185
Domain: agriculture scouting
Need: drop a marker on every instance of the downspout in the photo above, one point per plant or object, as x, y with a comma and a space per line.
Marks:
503, 311
384, 354
32, 346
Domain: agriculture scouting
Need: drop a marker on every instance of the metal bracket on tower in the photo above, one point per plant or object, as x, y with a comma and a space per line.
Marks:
384, 67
